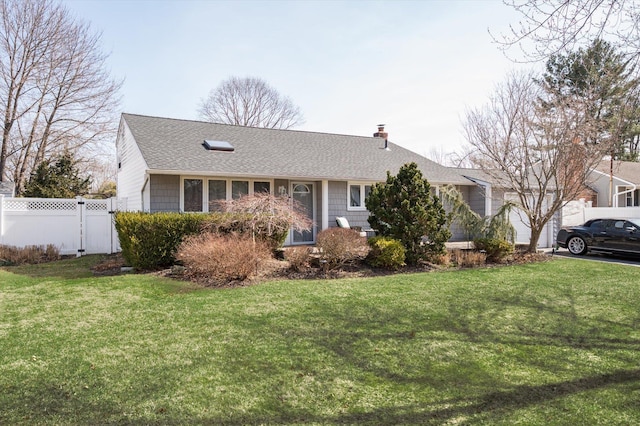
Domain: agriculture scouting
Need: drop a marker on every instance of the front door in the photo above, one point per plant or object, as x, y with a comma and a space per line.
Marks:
302, 193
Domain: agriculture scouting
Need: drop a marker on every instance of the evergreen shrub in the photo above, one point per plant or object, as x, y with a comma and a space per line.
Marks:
150, 240
387, 253
496, 249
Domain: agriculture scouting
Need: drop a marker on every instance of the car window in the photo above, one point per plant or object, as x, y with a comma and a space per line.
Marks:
619, 224
636, 222
596, 224
630, 225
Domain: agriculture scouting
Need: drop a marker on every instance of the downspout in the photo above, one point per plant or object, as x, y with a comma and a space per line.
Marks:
144, 185
617, 194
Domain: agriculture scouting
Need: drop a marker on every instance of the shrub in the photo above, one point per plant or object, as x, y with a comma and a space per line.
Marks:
339, 246
468, 258
150, 240
269, 217
10, 255
495, 249
220, 259
386, 253
298, 257
405, 209
260, 225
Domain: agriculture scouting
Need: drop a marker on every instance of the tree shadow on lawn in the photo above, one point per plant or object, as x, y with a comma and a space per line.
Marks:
63, 404
353, 327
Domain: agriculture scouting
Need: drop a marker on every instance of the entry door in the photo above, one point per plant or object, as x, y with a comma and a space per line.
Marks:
302, 193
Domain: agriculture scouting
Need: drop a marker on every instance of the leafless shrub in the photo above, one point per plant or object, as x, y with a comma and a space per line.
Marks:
340, 246
269, 215
468, 258
298, 258
10, 255
220, 259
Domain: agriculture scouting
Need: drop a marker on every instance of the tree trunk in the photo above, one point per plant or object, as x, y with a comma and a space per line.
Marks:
535, 236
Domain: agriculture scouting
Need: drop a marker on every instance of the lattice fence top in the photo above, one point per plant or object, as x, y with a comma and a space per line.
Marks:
30, 204
97, 205
57, 204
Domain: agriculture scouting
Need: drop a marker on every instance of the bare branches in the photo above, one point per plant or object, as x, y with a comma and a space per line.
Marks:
549, 27
250, 102
541, 154
55, 91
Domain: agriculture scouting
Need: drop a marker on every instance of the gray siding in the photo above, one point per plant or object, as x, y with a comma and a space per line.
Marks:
457, 233
497, 200
476, 199
338, 207
165, 193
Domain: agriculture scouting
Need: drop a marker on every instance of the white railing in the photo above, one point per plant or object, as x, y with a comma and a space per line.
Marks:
75, 226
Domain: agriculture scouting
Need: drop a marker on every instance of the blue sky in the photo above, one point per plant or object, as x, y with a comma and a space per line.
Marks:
413, 65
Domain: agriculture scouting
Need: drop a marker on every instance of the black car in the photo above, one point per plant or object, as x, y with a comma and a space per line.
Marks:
619, 236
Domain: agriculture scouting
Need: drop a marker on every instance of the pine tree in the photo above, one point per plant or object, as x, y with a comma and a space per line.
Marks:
404, 208
59, 179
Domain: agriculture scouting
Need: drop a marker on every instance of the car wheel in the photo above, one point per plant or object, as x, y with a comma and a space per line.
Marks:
577, 245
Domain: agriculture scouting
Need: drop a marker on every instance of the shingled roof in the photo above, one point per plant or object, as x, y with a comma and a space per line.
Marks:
172, 145
625, 170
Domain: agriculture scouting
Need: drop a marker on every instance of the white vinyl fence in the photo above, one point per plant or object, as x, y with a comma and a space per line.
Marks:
75, 226
578, 212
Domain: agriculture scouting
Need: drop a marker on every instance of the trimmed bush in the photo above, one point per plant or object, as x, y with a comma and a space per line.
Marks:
387, 253
340, 246
150, 240
495, 249
220, 259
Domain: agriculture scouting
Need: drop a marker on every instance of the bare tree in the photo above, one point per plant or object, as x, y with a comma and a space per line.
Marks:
548, 27
250, 102
55, 91
538, 152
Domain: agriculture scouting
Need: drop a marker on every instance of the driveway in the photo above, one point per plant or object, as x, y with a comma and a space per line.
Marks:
622, 260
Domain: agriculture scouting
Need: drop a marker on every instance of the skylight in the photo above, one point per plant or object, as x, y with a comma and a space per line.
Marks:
218, 146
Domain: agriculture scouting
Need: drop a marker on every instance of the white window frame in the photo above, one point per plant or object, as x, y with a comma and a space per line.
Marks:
362, 186
205, 188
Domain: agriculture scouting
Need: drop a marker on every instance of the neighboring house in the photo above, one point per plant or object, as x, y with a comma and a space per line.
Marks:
185, 166
616, 183
7, 189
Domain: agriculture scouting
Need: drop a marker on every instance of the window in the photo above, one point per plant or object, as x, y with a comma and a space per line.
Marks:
629, 200
217, 192
261, 187
192, 195
357, 194
200, 194
239, 188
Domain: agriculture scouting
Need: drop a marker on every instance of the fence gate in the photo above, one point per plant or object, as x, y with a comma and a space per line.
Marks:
75, 226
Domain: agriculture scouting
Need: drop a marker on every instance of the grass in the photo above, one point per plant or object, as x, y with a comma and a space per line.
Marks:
550, 343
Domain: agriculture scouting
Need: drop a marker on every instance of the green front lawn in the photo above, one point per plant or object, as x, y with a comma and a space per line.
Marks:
549, 343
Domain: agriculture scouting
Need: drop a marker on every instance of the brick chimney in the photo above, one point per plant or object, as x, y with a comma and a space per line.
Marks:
381, 133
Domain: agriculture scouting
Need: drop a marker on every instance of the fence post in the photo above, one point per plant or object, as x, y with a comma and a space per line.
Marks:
1, 218
81, 215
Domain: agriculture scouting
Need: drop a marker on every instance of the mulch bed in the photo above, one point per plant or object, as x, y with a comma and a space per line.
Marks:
274, 269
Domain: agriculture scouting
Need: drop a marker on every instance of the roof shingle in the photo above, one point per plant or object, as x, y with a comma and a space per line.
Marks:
177, 145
